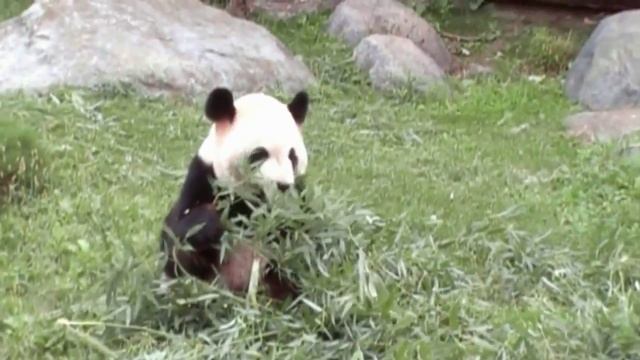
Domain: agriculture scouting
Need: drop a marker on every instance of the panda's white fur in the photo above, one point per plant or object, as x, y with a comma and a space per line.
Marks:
238, 127
260, 121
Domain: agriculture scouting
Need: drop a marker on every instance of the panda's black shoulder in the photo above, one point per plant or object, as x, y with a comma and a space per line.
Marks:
197, 188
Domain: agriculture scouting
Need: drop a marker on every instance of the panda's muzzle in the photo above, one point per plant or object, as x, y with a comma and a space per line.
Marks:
283, 187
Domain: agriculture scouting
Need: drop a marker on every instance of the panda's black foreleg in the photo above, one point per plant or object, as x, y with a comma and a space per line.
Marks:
278, 285
202, 230
193, 210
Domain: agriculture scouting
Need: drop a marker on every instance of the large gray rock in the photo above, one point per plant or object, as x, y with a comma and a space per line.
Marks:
353, 20
606, 72
161, 47
392, 61
602, 126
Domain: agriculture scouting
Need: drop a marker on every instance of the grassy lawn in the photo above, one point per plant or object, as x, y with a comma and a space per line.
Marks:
501, 238
10, 8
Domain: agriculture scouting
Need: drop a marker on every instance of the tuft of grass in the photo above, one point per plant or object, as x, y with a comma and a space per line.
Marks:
11, 8
543, 50
21, 157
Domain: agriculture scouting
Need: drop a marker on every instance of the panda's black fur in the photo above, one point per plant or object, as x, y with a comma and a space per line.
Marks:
195, 207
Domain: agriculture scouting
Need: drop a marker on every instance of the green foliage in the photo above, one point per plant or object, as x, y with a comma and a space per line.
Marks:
217, 3
326, 253
540, 49
11, 8
439, 7
21, 156
442, 7
495, 236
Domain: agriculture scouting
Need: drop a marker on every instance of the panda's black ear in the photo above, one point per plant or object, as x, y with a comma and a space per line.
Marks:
299, 106
219, 105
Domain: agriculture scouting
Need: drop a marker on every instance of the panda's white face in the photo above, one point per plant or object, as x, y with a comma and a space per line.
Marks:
257, 128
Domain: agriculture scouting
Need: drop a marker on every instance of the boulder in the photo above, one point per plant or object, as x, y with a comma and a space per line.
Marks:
606, 73
160, 47
603, 126
353, 20
392, 61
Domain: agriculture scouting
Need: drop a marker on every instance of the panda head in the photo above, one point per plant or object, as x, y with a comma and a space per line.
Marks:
259, 129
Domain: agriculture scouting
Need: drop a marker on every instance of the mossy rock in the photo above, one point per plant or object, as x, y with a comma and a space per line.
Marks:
21, 158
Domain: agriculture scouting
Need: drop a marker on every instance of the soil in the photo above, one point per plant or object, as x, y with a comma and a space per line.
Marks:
481, 36
559, 17
581, 4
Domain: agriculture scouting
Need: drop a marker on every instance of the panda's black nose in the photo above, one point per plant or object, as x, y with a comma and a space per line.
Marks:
283, 187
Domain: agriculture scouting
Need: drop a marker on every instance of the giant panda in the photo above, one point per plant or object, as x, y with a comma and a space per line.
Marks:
265, 132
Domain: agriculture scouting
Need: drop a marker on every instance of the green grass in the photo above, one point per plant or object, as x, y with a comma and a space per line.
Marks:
542, 50
500, 236
21, 159
11, 8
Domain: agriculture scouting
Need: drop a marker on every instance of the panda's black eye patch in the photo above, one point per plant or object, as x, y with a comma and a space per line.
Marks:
258, 154
293, 157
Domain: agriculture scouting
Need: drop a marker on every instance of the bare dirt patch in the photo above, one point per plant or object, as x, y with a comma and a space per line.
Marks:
490, 34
